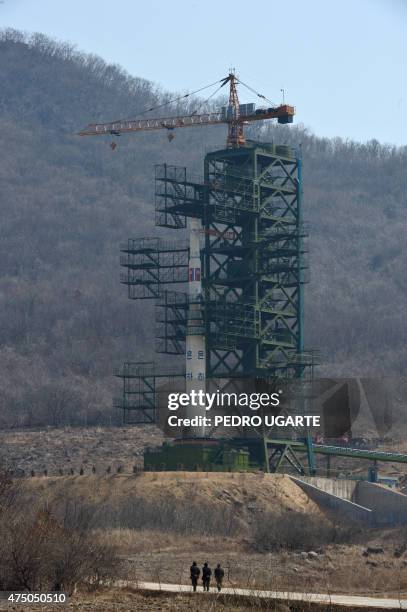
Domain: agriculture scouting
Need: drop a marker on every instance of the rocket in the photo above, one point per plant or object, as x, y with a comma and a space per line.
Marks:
195, 352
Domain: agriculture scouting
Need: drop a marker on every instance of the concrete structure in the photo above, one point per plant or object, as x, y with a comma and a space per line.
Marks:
340, 487
389, 506
326, 498
372, 504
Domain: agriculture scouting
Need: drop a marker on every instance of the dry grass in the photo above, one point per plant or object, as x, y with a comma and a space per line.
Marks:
125, 510
133, 542
153, 556
243, 492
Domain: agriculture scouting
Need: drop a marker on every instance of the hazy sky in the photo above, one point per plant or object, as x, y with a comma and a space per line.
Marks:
342, 63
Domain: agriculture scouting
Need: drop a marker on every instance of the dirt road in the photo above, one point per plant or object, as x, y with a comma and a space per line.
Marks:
352, 601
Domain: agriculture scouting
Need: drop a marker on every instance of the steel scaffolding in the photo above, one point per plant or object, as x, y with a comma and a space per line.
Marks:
253, 261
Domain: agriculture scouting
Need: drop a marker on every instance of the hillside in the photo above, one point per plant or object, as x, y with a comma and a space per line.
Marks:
67, 203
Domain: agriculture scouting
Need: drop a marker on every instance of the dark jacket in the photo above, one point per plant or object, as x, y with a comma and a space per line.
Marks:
206, 573
219, 574
195, 571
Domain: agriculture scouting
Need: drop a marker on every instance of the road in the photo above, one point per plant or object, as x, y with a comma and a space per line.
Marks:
353, 601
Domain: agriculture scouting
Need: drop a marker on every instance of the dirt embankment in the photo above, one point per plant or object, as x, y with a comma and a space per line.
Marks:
245, 492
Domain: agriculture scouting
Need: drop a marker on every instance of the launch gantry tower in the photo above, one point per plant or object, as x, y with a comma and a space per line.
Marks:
253, 269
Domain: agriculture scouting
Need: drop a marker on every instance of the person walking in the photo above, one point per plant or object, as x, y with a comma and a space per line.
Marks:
219, 575
206, 576
195, 572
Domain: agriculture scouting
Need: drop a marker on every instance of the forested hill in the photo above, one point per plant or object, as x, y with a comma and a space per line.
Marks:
67, 202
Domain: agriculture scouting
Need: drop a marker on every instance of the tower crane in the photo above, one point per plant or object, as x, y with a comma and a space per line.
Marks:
235, 116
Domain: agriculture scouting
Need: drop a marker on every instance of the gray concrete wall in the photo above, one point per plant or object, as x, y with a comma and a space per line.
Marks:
334, 503
335, 486
389, 506
362, 501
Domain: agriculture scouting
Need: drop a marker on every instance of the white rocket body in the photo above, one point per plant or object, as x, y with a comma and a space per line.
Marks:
195, 334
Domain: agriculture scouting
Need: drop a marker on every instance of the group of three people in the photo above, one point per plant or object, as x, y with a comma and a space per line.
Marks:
206, 575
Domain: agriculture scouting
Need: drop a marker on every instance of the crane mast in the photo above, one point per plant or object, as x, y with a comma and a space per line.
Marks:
235, 131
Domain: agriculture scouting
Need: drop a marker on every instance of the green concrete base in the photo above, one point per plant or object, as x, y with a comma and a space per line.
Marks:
201, 455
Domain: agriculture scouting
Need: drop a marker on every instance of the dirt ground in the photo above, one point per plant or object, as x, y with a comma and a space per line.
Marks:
165, 553
338, 569
109, 448
128, 600
104, 448
75, 448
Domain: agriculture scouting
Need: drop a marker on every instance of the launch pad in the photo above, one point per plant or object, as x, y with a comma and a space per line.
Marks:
200, 454
212, 455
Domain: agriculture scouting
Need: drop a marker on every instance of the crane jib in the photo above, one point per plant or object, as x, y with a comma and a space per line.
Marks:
283, 113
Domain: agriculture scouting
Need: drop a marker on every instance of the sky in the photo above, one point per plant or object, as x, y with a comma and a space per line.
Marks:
341, 63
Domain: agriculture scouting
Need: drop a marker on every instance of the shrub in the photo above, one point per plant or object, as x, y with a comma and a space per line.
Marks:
293, 531
40, 552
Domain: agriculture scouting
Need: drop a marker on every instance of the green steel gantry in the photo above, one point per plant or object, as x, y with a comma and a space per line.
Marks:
253, 262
